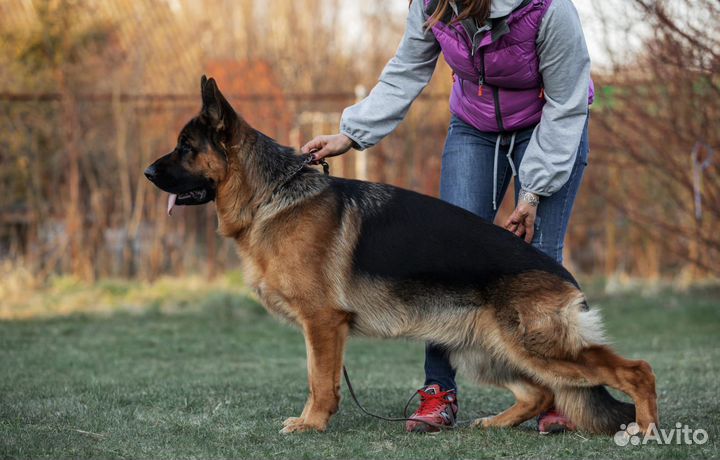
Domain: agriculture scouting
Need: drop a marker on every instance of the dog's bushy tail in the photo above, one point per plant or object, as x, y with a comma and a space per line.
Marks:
593, 409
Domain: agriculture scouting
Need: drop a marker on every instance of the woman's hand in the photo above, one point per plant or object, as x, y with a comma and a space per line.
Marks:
328, 146
522, 221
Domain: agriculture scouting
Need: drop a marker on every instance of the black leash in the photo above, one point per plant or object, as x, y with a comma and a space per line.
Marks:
309, 159
404, 418
324, 164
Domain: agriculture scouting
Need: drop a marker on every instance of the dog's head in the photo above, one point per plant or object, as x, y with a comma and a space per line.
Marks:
191, 173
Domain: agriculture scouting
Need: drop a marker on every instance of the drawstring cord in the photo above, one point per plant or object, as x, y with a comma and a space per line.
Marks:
495, 163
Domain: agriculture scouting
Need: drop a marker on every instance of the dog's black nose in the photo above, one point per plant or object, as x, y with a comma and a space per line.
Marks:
150, 172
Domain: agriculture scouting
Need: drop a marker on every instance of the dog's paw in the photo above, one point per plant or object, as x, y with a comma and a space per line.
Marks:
299, 425
485, 422
292, 420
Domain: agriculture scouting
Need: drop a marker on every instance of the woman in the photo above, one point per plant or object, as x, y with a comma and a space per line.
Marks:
522, 90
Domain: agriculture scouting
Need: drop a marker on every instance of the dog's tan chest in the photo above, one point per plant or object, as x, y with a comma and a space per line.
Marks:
270, 296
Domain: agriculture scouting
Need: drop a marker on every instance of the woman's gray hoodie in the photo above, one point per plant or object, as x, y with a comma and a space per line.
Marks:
564, 66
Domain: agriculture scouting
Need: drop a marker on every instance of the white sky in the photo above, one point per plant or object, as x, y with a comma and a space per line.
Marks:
597, 39
592, 32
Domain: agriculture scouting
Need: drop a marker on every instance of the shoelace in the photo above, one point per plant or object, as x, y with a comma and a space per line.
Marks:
404, 418
432, 402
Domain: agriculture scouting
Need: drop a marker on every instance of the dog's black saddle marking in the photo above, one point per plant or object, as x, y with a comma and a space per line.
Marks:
413, 237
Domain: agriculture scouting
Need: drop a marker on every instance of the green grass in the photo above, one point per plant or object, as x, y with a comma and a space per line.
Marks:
216, 379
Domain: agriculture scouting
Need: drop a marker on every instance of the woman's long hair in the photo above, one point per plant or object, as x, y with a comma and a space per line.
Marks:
478, 9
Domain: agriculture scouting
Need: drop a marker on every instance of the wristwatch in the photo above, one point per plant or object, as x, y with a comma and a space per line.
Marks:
529, 197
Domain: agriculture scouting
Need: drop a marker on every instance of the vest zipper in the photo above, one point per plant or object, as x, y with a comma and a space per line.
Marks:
498, 114
495, 90
481, 81
473, 48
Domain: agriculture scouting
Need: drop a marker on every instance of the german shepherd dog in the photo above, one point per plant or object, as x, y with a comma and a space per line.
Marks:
339, 257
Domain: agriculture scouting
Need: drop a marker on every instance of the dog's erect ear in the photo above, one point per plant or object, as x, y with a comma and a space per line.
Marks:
216, 109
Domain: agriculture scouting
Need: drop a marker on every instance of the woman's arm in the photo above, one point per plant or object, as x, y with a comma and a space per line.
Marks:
402, 80
565, 68
550, 155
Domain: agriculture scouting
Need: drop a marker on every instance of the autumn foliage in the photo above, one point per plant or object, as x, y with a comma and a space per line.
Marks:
90, 92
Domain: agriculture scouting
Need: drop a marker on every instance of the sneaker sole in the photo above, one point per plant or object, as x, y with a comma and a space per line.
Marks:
428, 432
427, 429
554, 428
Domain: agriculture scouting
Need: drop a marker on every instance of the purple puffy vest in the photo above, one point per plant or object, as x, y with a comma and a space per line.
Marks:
498, 86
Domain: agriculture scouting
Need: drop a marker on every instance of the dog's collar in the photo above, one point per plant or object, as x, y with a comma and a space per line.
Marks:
308, 159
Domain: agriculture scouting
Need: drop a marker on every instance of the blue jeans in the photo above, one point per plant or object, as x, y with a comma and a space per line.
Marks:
466, 181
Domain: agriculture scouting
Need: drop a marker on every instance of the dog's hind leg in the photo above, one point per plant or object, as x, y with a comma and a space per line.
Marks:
486, 367
325, 338
550, 333
599, 365
531, 400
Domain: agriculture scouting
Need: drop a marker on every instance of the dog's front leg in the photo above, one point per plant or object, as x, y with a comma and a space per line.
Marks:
325, 338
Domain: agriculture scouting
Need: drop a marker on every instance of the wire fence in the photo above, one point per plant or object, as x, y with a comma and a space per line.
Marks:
126, 233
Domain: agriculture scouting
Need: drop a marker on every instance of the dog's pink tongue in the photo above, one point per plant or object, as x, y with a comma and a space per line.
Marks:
171, 203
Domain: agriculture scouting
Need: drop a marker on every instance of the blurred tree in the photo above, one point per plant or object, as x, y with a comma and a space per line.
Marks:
91, 91
56, 49
657, 118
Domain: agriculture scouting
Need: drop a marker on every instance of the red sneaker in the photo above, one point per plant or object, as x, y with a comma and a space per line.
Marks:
553, 421
437, 407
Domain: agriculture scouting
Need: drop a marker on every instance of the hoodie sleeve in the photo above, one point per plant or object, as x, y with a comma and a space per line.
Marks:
565, 68
402, 80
